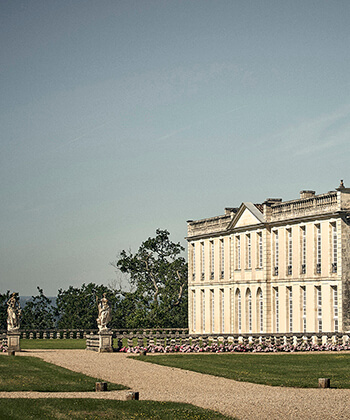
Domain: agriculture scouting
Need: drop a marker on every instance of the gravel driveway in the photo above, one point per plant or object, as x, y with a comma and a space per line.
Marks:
238, 399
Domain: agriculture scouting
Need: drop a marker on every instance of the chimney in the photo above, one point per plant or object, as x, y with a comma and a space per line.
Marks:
307, 194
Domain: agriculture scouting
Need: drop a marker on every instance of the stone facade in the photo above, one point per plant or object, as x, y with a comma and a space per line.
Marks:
275, 267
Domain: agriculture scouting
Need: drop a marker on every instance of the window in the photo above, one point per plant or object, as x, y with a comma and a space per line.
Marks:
277, 313
319, 308
335, 309
222, 258
203, 310
212, 311
335, 248
249, 252
249, 309
290, 252
211, 260
303, 296
260, 250
276, 253
260, 310
318, 249
222, 310
194, 261
239, 310
303, 250
238, 252
202, 260
194, 309
290, 307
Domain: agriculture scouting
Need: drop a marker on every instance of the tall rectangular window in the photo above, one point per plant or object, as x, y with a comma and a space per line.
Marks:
318, 249
222, 258
335, 309
212, 260
303, 297
276, 253
334, 248
290, 252
260, 250
194, 261
319, 308
290, 307
238, 252
261, 311
194, 309
203, 310
303, 250
222, 311
202, 261
249, 252
249, 307
212, 310
277, 311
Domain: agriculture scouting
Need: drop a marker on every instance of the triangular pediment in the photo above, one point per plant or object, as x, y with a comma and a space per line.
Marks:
247, 215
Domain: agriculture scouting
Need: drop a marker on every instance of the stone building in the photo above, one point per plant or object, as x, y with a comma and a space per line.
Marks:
275, 267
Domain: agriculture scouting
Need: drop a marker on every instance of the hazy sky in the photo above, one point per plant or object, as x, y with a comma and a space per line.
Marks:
121, 117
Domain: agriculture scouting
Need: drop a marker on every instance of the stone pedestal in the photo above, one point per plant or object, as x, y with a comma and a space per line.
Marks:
105, 341
13, 341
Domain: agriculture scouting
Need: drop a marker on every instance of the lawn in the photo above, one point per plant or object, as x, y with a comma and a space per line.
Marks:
290, 370
52, 344
31, 374
23, 409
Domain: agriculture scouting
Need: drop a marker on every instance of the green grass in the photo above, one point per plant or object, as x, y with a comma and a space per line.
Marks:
291, 370
23, 409
21, 373
52, 344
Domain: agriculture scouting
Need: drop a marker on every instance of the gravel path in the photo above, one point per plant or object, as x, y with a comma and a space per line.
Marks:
238, 399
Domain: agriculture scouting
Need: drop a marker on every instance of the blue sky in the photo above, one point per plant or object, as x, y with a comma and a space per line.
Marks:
121, 117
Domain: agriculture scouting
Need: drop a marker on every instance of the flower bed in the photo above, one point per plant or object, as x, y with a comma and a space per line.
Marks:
231, 348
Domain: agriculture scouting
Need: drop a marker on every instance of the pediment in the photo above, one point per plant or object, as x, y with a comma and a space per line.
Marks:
247, 215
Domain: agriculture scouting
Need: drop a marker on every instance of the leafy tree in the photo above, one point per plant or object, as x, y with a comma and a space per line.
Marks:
4, 297
158, 275
77, 307
38, 313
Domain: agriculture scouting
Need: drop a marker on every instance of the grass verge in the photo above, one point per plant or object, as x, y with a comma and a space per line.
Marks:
52, 344
32, 374
100, 409
291, 370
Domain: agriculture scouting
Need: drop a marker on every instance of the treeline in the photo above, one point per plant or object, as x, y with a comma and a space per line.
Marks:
157, 295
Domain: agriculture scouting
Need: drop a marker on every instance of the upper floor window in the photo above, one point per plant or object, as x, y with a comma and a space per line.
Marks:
238, 252
290, 251
222, 258
260, 250
249, 251
303, 250
334, 247
194, 261
276, 253
318, 249
202, 261
212, 261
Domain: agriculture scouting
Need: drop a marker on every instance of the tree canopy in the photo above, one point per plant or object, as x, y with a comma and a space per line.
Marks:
158, 275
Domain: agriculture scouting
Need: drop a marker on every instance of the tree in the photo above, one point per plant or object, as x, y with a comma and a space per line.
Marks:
38, 313
4, 297
77, 308
158, 275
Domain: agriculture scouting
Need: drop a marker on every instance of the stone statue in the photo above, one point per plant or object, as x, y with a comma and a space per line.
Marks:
104, 313
13, 313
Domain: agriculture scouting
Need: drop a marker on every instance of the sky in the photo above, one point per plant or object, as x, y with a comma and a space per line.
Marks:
121, 117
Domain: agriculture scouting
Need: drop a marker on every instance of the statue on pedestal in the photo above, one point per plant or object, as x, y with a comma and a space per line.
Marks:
13, 313
104, 313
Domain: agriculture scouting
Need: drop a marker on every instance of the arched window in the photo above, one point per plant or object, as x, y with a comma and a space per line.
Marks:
238, 311
249, 310
260, 310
